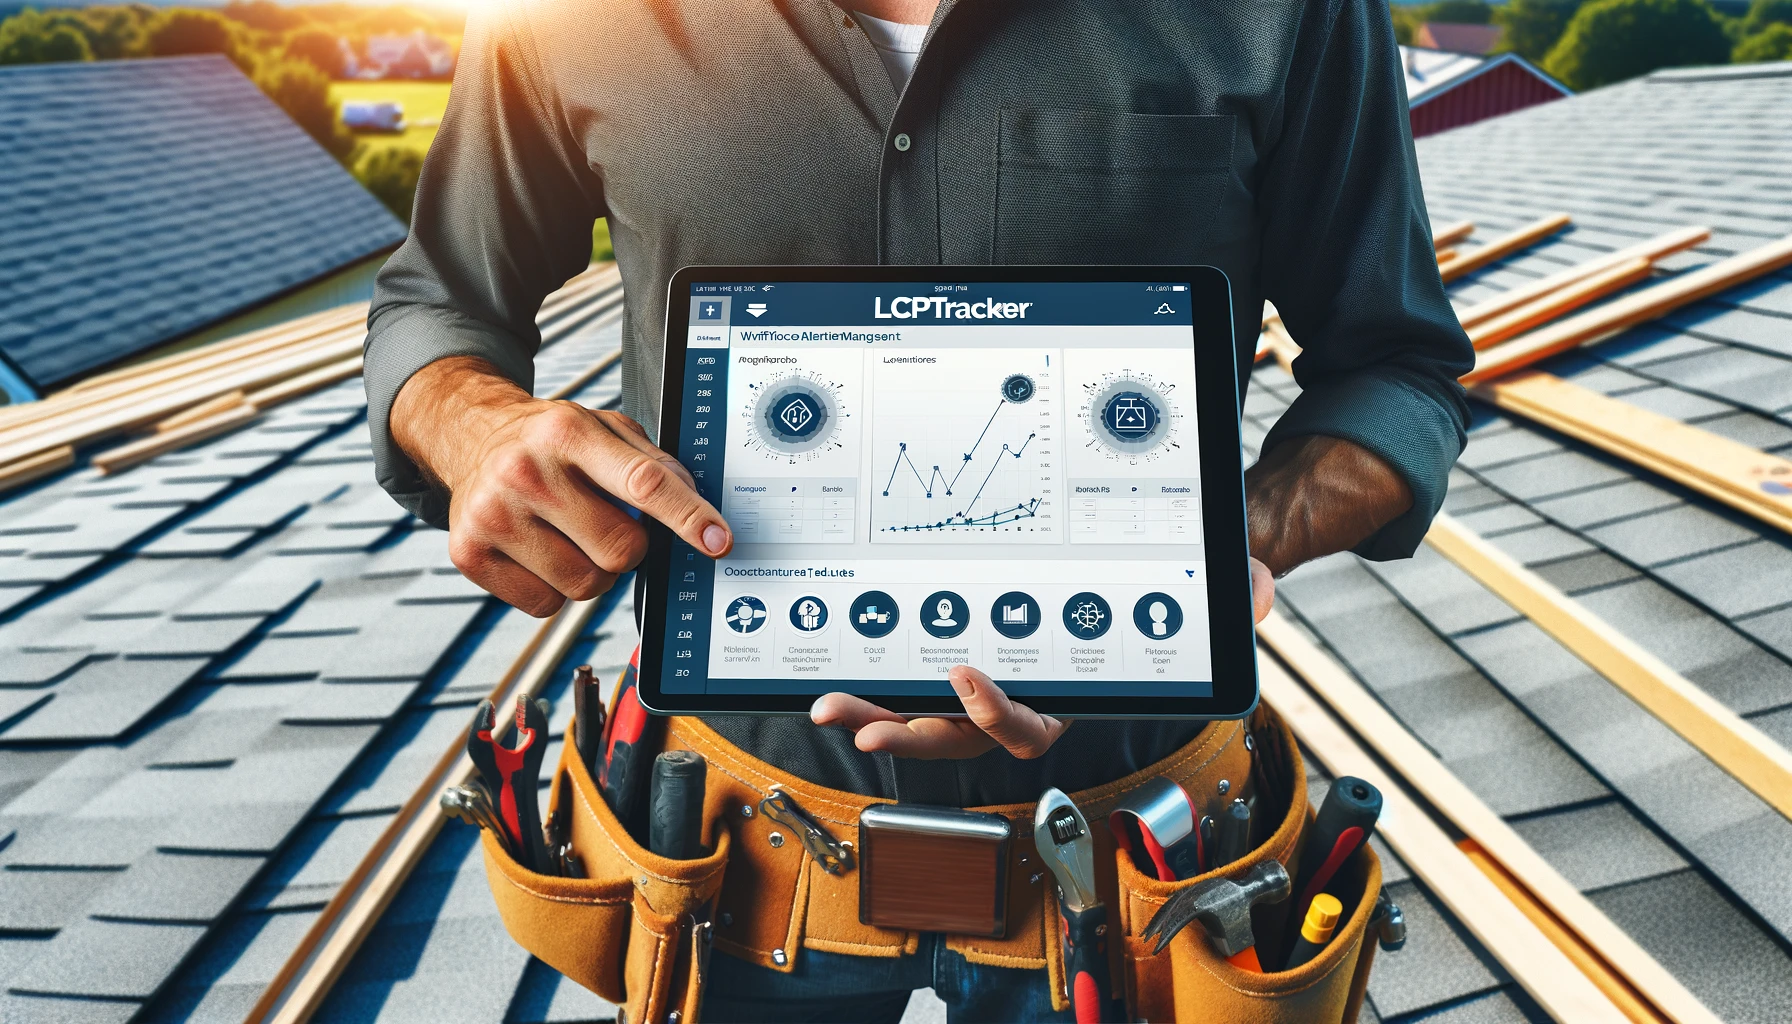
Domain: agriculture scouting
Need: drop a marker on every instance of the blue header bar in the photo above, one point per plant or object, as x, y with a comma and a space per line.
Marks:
944, 304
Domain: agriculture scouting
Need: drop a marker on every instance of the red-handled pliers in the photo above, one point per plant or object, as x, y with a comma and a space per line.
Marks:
513, 774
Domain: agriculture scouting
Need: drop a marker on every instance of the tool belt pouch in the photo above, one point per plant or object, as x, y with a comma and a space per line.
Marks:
636, 929
1190, 980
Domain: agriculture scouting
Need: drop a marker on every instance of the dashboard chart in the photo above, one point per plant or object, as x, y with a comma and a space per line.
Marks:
964, 447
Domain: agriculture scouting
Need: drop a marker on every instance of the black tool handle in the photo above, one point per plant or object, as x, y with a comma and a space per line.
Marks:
1345, 821
588, 718
675, 813
1086, 964
1234, 833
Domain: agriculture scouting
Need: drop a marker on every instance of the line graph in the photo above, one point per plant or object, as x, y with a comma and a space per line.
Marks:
964, 443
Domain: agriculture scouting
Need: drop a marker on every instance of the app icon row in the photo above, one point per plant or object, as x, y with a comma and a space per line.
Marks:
1016, 615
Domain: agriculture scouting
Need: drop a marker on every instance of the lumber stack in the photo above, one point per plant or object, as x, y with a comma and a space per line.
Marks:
181, 399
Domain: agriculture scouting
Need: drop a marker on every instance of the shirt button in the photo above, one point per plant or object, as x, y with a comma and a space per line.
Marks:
902, 142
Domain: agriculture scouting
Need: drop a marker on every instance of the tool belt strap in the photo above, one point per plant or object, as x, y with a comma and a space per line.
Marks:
775, 899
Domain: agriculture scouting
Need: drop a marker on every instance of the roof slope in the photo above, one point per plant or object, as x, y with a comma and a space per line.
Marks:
148, 198
1673, 849
211, 661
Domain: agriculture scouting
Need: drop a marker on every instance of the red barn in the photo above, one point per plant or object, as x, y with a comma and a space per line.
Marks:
1447, 90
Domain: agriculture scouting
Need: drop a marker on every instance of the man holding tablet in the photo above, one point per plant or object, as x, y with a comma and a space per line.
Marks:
1268, 141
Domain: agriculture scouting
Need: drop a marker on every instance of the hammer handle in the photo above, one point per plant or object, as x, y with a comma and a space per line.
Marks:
1086, 964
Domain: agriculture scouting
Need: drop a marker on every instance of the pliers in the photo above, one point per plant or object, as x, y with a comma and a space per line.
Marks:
513, 775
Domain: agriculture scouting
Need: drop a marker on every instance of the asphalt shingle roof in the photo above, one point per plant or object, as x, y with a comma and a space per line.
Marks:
1672, 848
149, 198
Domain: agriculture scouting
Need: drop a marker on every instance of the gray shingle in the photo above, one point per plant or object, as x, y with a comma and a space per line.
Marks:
1449, 967
190, 637
283, 657
108, 959
44, 901
1585, 572
1599, 845
105, 698
1739, 580
176, 887
1540, 544
1707, 944
1549, 475
269, 189
320, 858
1603, 504
350, 702
403, 644
1451, 600
1773, 629
1671, 533
20, 1009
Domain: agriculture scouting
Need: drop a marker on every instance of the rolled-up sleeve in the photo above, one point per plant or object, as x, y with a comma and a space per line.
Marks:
1349, 264
503, 217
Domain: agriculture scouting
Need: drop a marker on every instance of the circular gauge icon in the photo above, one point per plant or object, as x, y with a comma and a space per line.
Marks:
1129, 416
794, 415
1017, 388
746, 615
1157, 615
1087, 616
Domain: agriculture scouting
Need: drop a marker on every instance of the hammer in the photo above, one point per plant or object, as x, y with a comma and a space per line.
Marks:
1223, 907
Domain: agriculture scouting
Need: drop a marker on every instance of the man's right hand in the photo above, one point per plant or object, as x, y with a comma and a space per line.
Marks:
537, 487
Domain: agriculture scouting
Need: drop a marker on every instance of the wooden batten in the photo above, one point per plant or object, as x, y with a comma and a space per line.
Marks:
1452, 233
1503, 246
1749, 755
1445, 255
204, 410
1606, 320
1363, 712
20, 472
123, 457
305, 383
1653, 249
1563, 300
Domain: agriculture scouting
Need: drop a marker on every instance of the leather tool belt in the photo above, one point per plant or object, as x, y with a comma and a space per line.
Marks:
638, 928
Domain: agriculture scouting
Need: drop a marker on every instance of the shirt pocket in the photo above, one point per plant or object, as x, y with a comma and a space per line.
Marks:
1101, 186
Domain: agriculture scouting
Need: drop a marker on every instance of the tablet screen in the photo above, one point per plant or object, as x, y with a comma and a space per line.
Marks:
920, 475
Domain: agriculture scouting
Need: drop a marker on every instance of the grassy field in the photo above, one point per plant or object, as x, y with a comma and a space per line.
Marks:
423, 101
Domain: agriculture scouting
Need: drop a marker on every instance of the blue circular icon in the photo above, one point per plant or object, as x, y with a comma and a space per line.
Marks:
1017, 388
944, 614
745, 615
809, 614
873, 614
796, 415
1087, 616
1130, 415
1158, 616
1015, 615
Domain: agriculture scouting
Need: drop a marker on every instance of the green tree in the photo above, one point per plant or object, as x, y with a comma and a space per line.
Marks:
1772, 43
265, 15
1406, 25
1534, 26
303, 92
1763, 13
31, 37
1612, 40
320, 47
390, 173
178, 31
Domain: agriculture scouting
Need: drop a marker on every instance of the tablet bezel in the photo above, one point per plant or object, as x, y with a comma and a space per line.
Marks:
1234, 659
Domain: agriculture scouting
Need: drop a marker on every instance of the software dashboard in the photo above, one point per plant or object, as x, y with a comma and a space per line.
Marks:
1003, 474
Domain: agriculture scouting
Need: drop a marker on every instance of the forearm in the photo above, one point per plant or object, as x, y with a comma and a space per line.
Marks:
1313, 495
446, 408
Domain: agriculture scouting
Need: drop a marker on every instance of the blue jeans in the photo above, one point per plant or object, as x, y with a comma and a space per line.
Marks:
837, 988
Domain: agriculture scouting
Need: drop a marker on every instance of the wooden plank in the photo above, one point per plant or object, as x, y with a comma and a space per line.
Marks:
1540, 311
1732, 743
1606, 320
1446, 255
35, 467
305, 383
311, 971
201, 411
1525, 952
1653, 249
333, 318
1358, 708
1744, 478
1503, 246
1451, 234
123, 457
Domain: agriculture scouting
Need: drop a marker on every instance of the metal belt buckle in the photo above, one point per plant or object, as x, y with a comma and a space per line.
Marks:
934, 869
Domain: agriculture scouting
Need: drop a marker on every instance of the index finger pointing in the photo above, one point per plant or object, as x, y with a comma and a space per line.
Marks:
651, 485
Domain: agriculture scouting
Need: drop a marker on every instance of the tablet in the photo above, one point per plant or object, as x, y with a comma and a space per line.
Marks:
1035, 471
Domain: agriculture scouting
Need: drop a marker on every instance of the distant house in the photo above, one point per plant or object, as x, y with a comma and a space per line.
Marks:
418, 55
145, 200
1448, 90
1441, 35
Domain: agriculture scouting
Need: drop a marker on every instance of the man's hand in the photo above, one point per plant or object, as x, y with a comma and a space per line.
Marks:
1312, 496
534, 485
